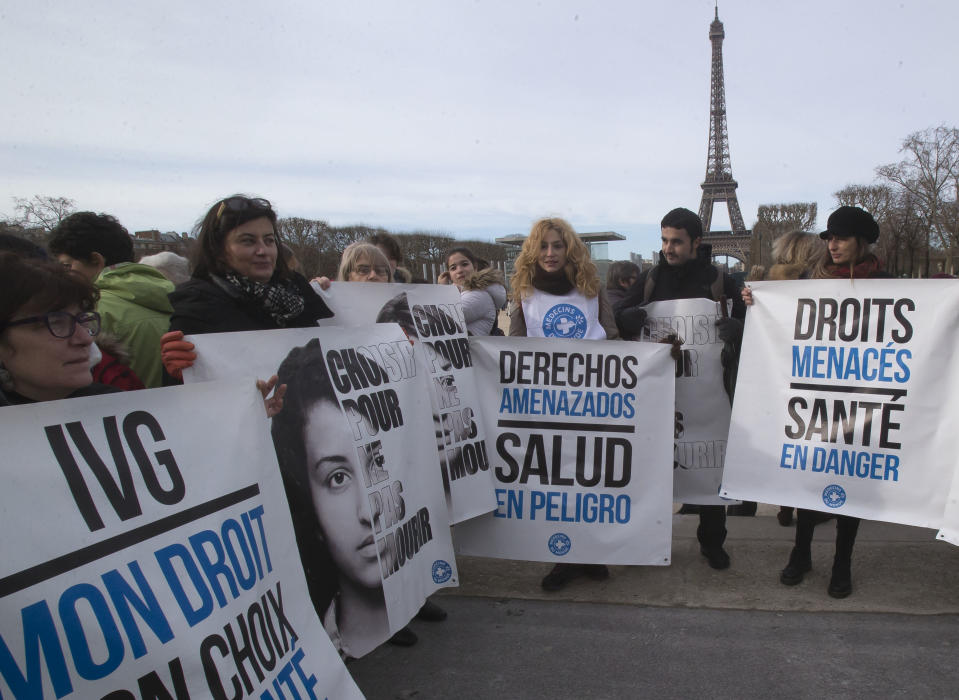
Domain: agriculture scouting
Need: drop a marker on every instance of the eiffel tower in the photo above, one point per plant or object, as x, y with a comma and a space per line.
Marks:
719, 185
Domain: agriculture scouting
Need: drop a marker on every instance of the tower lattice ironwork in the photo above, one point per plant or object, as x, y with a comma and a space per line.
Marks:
719, 185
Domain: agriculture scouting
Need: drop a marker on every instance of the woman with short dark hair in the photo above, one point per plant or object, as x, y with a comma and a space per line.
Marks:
47, 327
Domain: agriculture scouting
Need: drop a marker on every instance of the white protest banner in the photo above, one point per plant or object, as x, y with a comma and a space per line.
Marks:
148, 552
949, 530
356, 449
582, 452
702, 404
846, 398
432, 315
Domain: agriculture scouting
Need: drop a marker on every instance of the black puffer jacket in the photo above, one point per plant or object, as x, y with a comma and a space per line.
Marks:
214, 306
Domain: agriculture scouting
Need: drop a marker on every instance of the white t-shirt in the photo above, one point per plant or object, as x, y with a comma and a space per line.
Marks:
569, 315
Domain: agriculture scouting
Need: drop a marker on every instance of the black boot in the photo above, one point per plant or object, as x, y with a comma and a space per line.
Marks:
785, 516
561, 575
800, 563
840, 584
404, 638
597, 572
431, 612
747, 508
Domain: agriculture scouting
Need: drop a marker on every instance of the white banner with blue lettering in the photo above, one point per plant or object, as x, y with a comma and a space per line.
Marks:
148, 553
356, 448
846, 399
582, 451
702, 404
432, 315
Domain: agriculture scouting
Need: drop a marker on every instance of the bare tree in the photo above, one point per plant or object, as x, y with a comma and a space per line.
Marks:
310, 241
876, 199
43, 212
776, 219
929, 172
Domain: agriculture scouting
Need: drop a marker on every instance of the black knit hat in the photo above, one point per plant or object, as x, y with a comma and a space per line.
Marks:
852, 221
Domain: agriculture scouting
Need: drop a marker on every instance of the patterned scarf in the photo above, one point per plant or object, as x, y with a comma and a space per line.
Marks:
869, 266
279, 298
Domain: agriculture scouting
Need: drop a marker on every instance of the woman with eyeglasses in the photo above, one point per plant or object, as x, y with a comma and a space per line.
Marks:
241, 281
47, 327
849, 235
360, 262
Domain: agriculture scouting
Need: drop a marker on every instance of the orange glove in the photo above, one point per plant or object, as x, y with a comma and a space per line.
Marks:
176, 354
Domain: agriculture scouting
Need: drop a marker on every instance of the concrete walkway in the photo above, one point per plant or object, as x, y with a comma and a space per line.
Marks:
896, 569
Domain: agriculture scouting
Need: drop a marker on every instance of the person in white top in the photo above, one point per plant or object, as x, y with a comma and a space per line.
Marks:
557, 294
482, 290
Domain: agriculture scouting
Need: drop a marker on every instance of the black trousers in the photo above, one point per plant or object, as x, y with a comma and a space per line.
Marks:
712, 526
846, 529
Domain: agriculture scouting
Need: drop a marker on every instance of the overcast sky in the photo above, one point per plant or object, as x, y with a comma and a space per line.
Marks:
464, 116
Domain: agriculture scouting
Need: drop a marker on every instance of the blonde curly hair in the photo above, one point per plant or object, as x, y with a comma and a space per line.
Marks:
580, 269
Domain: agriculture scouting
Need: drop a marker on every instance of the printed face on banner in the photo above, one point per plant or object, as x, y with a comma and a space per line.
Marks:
852, 383
432, 316
148, 551
339, 496
352, 440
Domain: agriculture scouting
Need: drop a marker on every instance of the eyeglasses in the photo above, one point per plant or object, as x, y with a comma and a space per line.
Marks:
364, 270
242, 204
62, 324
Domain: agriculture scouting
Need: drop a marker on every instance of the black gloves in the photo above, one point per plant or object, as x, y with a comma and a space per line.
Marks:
730, 330
631, 321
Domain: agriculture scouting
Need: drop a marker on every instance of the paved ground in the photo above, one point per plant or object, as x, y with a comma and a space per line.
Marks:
895, 569
538, 650
686, 630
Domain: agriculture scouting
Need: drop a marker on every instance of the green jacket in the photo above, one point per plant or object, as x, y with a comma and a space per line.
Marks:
135, 309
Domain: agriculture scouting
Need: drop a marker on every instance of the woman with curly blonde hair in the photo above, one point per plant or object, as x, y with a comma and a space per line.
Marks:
556, 289
556, 294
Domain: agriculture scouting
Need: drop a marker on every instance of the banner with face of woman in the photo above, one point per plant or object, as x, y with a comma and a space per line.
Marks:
354, 442
846, 398
581, 449
432, 315
148, 552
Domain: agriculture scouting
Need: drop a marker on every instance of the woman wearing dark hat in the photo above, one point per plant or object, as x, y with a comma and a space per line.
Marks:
850, 231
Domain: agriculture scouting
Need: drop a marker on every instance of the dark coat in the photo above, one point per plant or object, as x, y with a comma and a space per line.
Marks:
206, 306
692, 280
12, 398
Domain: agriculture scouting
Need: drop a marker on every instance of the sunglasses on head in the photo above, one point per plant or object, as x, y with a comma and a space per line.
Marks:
243, 204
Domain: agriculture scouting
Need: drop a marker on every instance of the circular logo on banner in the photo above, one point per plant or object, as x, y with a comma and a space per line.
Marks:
833, 496
564, 321
559, 544
441, 571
